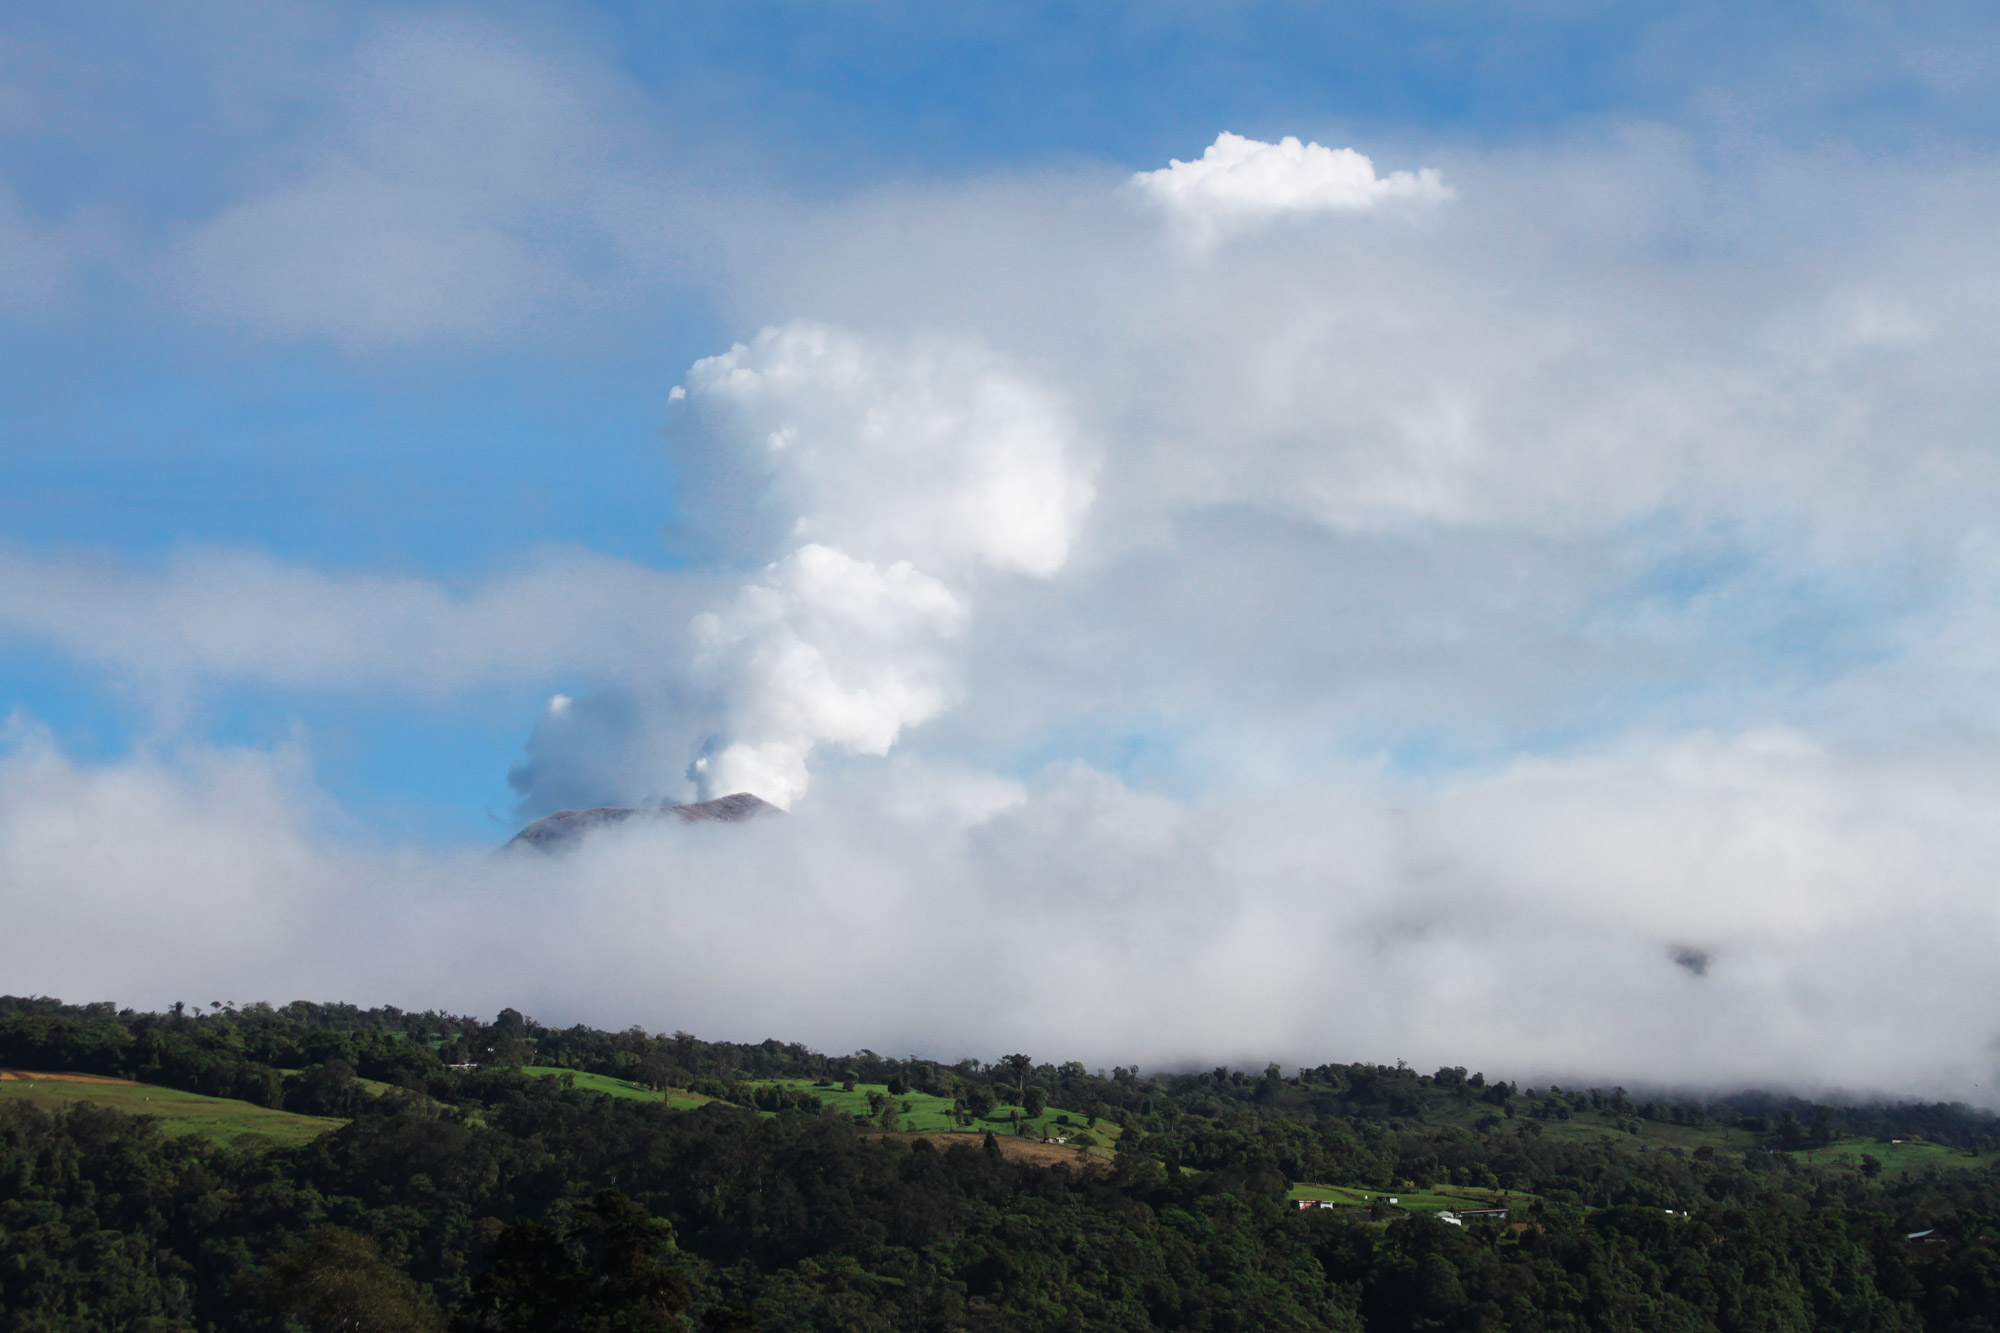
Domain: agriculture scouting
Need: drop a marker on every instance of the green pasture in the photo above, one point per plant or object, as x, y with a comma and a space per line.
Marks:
177, 1112
1911, 1155
1898, 1159
1437, 1199
923, 1113
616, 1087
1651, 1133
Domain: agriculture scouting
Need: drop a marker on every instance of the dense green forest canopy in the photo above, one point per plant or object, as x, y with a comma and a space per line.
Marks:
462, 1190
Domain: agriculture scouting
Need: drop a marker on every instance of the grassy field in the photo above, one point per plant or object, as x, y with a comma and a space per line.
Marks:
1453, 1197
917, 1113
1586, 1127
1911, 1155
925, 1114
922, 1113
1014, 1148
617, 1087
1897, 1159
177, 1112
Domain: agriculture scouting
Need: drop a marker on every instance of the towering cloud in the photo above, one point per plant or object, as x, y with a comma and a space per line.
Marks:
904, 469
823, 650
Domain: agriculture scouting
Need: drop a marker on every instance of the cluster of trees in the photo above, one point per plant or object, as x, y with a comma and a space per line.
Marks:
483, 1199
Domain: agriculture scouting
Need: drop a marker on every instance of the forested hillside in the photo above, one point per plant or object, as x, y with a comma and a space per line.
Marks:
506, 1175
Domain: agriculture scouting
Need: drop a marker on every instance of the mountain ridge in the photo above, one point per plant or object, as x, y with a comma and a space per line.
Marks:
566, 828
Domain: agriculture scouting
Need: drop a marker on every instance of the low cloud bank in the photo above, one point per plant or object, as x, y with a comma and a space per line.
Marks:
1533, 921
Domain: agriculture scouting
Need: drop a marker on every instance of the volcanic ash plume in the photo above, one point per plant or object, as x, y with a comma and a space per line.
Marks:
908, 469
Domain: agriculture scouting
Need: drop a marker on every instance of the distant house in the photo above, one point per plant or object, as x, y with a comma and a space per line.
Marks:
1928, 1236
1449, 1218
1483, 1214
1304, 1204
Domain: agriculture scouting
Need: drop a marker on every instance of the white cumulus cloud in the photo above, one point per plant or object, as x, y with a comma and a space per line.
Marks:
1237, 181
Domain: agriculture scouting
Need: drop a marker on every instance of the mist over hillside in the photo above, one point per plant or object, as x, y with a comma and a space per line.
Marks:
907, 911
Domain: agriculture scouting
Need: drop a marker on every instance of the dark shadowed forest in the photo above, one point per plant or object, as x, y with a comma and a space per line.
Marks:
476, 1176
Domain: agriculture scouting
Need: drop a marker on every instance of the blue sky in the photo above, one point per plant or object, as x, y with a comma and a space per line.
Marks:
414, 420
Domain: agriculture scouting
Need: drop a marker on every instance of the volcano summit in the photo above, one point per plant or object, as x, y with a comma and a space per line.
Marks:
566, 828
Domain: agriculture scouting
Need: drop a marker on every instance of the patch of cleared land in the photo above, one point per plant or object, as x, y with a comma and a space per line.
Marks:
617, 1087
923, 1113
1453, 1197
1585, 1127
1014, 1148
1897, 1159
177, 1112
